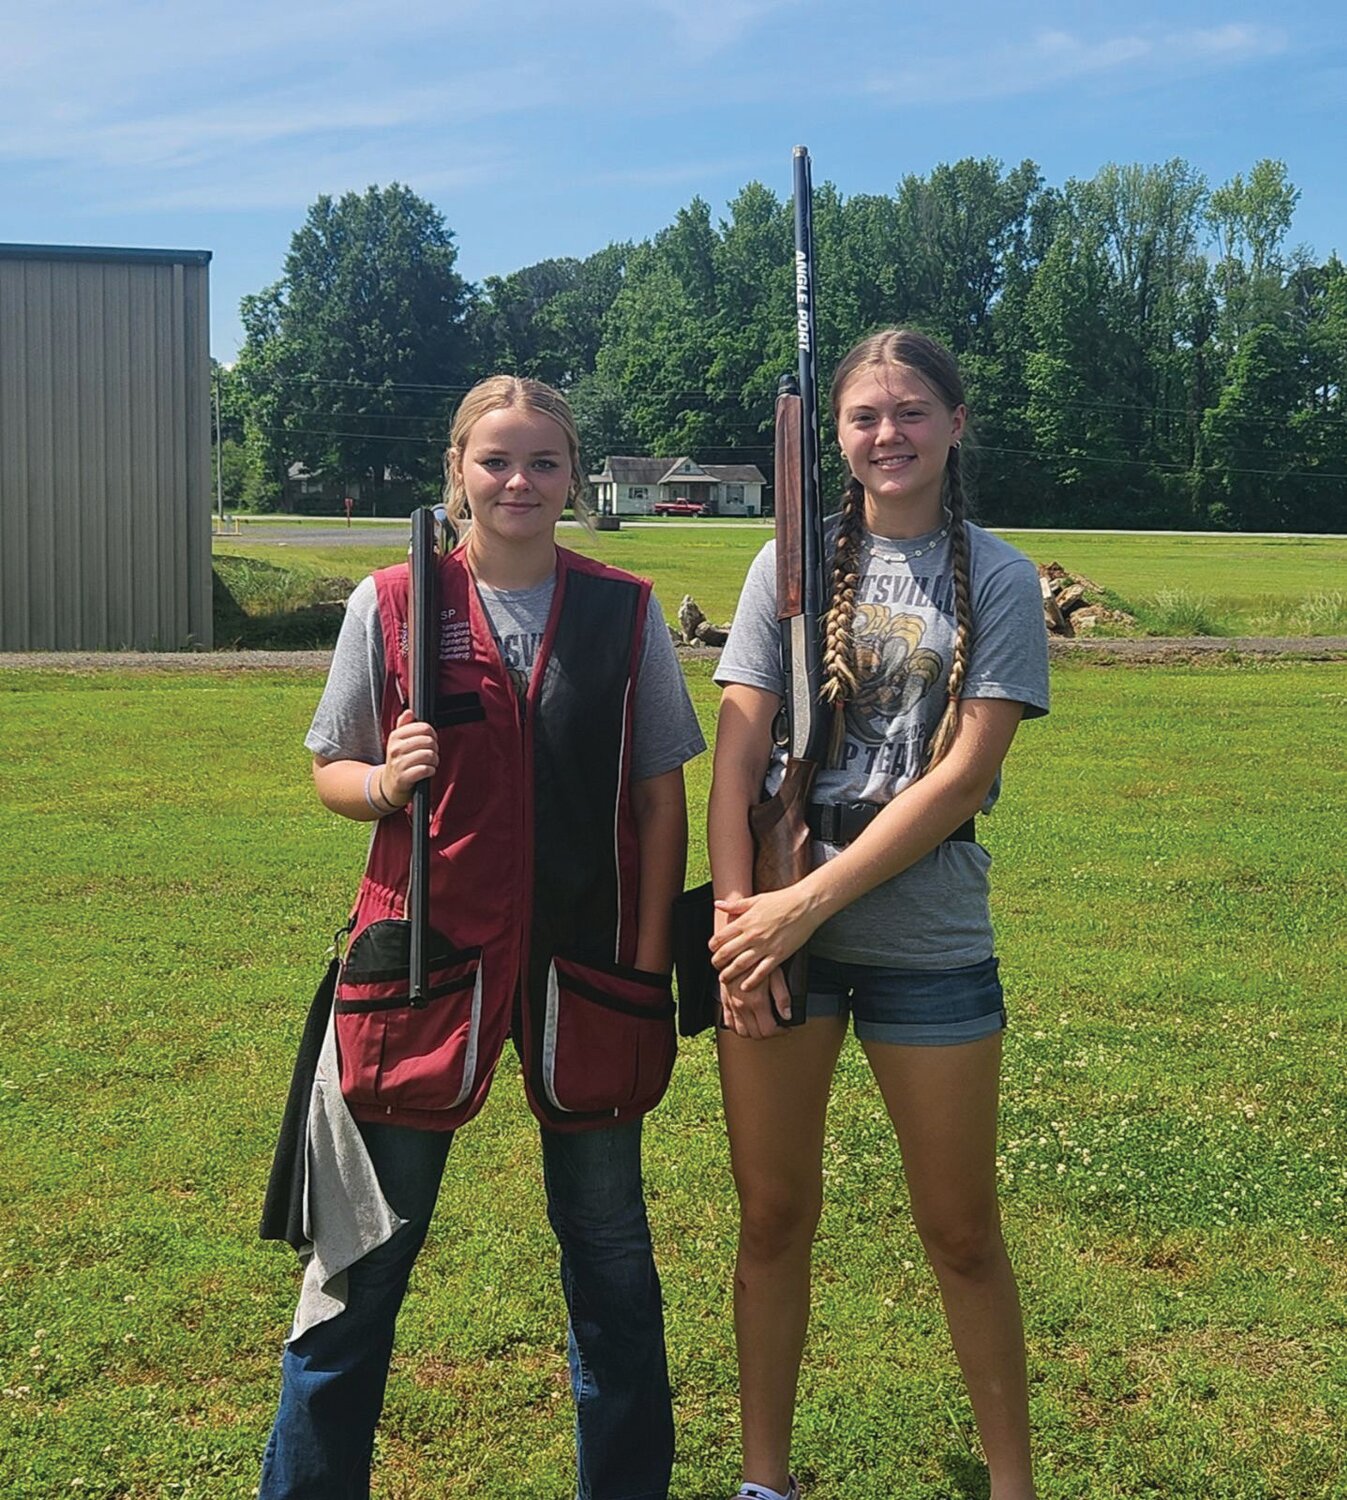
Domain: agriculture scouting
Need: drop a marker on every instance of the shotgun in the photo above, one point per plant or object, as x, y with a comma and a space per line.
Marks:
423, 655
780, 833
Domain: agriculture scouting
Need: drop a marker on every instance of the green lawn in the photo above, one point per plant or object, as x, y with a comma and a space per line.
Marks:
1176, 585
1246, 585
1170, 899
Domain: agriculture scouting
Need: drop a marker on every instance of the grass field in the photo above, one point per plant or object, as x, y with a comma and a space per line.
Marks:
1170, 898
1175, 585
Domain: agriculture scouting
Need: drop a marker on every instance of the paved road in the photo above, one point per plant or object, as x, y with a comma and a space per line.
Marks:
381, 533
392, 533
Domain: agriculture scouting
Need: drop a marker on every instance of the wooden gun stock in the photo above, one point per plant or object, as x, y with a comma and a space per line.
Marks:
780, 833
780, 858
789, 508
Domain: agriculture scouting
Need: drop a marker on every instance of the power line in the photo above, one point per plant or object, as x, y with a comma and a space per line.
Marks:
1045, 458
706, 398
1171, 468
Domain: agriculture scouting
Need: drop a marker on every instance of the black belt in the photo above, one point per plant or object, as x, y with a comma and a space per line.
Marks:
839, 823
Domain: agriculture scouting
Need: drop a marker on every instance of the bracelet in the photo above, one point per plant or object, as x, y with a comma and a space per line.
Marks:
383, 795
379, 812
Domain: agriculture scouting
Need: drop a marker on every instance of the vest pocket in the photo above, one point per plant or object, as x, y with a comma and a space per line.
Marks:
396, 1054
608, 1038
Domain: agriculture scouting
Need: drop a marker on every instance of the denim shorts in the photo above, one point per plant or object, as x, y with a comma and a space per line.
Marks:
912, 1007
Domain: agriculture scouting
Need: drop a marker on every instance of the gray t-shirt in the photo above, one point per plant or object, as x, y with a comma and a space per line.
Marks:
933, 915
665, 732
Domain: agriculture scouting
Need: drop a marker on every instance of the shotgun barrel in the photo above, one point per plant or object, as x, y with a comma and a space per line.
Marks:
780, 831
423, 666
804, 666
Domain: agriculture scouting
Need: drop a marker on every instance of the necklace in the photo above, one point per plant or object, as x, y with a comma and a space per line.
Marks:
918, 551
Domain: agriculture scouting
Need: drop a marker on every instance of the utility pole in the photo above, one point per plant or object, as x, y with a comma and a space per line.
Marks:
219, 454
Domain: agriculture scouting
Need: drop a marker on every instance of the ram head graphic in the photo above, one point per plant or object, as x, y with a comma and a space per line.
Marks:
895, 670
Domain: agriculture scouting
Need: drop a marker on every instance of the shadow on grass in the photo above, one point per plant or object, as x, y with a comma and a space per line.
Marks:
290, 624
968, 1476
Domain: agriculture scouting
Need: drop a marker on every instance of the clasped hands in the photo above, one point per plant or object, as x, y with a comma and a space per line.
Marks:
754, 937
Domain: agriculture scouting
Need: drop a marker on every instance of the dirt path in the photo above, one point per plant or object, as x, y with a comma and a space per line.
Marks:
1110, 650
1199, 648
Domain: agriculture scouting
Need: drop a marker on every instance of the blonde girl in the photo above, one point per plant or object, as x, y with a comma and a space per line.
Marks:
934, 651
557, 843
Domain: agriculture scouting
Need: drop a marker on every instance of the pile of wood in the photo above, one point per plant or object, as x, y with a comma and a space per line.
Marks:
1074, 604
696, 629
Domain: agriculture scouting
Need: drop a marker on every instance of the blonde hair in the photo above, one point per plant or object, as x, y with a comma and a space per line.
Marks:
936, 366
496, 393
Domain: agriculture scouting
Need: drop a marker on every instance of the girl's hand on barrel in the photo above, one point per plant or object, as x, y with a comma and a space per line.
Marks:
412, 755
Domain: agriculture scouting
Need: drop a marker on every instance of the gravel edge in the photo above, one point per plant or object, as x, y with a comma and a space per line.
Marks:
1105, 651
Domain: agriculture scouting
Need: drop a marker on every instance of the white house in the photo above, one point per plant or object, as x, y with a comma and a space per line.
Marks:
631, 486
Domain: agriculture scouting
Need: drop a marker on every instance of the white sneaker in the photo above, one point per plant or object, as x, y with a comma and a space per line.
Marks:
748, 1491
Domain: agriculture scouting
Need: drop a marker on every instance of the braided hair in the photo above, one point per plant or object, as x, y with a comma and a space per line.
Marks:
937, 368
841, 678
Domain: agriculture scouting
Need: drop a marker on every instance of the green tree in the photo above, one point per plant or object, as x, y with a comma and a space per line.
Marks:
753, 332
657, 339
505, 322
353, 357
1009, 482
1252, 452
264, 382
1071, 380
956, 232
574, 317
1249, 220
604, 425
546, 320
240, 456
1148, 222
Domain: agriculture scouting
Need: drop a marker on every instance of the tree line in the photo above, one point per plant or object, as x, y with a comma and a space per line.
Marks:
1140, 348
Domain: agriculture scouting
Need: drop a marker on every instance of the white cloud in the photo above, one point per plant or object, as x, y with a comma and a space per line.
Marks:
295, 179
140, 112
713, 25
93, 47
96, 66
193, 135
1057, 58
247, 105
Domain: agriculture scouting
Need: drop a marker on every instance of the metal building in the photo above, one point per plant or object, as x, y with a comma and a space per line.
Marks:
104, 449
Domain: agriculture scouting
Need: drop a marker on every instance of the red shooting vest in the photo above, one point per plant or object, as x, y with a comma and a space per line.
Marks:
533, 875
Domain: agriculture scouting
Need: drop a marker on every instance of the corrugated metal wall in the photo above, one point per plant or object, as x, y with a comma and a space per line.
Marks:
104, 450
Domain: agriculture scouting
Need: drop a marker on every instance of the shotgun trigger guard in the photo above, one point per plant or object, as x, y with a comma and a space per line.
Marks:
781, 728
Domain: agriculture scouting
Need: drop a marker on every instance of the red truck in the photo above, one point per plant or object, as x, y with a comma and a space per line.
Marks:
679, 508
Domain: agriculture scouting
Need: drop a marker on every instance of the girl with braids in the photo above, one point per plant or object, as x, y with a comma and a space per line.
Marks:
934, 650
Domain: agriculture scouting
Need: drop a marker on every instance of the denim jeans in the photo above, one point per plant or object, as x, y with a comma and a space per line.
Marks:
333, 1376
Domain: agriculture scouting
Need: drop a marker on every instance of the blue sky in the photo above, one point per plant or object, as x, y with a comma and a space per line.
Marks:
543, 129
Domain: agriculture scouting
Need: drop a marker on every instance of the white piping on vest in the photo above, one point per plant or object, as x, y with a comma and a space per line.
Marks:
474, 1030
617, 823
550, 1018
